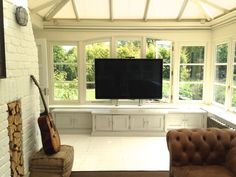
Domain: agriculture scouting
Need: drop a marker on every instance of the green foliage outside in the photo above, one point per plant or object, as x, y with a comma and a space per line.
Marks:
65, 72
190, 74
219, 94
126, 49
92, 51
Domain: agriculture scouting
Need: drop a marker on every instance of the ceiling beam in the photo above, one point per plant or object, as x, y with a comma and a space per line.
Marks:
55, 9
199, 6
111, 10
43, 6
182, 9
75, 8
214, 5
146, 10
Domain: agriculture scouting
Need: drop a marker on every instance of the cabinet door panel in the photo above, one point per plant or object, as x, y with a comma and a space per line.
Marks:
137, 122
194, 120
154, 122
82, 120
120, 122
174, 121
103, 122
64, 120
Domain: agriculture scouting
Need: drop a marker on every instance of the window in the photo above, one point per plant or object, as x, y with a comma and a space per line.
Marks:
94, 50
220, 73
161, 49
128, 49
233, 102
191, 72
65, 73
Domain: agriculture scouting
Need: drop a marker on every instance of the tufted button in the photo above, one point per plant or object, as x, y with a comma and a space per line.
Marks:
218, 137
204, 138
177, 138
189, 138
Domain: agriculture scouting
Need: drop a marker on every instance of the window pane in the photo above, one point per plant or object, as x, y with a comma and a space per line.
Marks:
161, 49
166, 72
234, 98
221, 53
166, 90
191, 73
127, 49
220, 74
94, 50
156, 48
190, 91
66, 91
65, 72
192, 54
90, 91
64, 54
234, 76
219, 94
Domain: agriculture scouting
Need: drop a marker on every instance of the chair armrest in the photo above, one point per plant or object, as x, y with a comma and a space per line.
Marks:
231, 157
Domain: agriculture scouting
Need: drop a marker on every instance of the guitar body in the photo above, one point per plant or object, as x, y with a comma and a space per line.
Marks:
49, 134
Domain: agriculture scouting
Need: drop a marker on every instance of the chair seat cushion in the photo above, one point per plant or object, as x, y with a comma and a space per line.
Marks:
201, 171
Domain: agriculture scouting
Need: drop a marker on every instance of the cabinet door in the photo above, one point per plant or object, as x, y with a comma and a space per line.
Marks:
137, 122
194, 120
174, 121
64, 120
154, 122
120, 122
103, 122
82, 120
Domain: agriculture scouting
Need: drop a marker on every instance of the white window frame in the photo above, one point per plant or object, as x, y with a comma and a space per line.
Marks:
176, 71
227, 82
51, 73
83, 64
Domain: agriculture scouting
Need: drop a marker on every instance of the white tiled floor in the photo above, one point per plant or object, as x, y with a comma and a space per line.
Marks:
117, 153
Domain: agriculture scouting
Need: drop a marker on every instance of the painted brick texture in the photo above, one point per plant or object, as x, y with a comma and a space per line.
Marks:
21, 62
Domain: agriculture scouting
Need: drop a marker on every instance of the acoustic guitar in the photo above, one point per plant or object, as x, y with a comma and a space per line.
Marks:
49, 133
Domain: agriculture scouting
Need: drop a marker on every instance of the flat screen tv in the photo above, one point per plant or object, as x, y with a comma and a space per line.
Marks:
128, 78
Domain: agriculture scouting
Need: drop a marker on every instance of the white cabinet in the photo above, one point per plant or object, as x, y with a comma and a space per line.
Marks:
126, 123
188, 120
147, 122
72, 120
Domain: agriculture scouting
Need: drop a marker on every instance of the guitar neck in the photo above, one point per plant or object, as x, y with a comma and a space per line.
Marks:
41, 94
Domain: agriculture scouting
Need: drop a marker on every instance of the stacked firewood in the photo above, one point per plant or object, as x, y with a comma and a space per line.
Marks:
15, 139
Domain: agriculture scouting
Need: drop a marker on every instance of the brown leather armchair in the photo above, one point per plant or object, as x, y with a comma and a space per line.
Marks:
207, 152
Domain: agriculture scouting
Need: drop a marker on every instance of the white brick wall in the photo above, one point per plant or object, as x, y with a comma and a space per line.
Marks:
21, 62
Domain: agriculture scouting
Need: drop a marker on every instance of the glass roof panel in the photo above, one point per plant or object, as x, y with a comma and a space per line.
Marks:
165, 9
35, 3
227, 4
210, 10
66, 12
93, 9
43, 12
192, 12
128, 9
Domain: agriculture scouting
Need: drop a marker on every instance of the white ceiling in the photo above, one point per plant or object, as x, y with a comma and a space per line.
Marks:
170, 11
139, 10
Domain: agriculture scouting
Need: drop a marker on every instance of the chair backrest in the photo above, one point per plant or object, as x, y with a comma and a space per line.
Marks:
199, 146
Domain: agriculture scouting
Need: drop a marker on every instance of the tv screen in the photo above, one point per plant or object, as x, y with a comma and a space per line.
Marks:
128, 78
